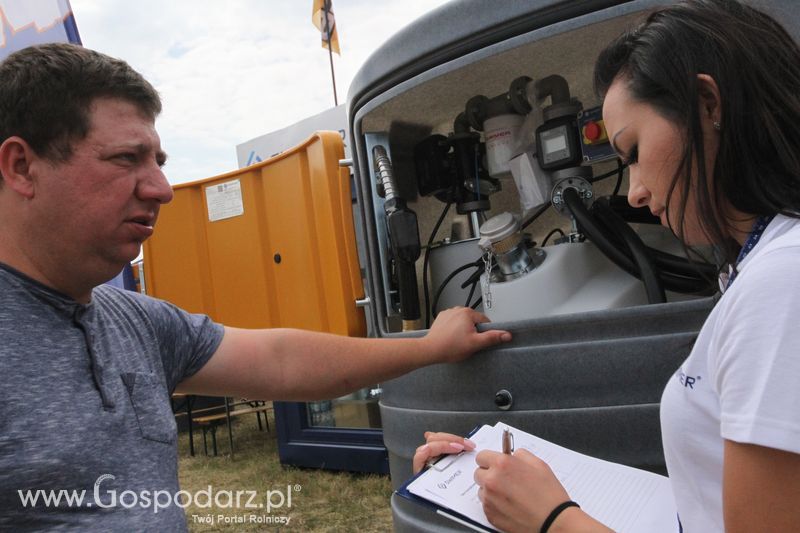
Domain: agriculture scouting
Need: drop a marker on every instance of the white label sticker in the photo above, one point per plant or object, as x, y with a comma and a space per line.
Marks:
224, 200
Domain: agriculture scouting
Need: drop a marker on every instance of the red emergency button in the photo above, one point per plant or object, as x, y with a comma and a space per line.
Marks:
594, 132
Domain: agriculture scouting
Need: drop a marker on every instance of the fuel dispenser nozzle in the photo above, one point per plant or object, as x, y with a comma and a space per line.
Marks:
404, 238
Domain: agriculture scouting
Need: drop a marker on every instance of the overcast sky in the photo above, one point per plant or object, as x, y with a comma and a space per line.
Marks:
229, 72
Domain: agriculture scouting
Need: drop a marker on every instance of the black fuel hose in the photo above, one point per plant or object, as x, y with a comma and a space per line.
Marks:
636, 262
693, 275
641, 256
676, 274
590, 228
665, 261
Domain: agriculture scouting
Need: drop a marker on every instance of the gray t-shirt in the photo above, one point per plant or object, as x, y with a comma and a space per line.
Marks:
85, 406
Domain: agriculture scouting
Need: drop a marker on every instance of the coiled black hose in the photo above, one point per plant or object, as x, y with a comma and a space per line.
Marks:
679, 273
434, 307
603, 228
641, 256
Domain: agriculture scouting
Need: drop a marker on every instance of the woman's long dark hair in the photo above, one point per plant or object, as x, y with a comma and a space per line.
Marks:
756, 65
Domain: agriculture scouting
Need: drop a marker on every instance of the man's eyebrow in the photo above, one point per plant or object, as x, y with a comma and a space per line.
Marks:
142, 148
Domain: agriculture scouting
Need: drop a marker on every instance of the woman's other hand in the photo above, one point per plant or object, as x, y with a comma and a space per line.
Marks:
437, 444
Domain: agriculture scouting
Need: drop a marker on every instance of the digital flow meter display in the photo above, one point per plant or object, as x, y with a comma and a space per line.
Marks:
557, 144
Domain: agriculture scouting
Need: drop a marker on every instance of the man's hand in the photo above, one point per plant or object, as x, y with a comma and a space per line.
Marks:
453, 336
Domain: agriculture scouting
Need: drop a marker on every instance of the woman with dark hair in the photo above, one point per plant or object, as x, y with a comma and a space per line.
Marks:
702, 101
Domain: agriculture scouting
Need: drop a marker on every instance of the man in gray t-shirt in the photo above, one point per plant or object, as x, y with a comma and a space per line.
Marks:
85, 393
87, 371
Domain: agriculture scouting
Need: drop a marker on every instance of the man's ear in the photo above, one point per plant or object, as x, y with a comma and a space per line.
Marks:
16, 157
710, 103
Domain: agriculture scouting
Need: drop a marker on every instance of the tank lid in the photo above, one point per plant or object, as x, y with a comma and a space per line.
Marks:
500, 227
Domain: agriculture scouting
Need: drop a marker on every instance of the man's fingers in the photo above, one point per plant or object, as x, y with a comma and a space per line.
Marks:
478, 318
493, 337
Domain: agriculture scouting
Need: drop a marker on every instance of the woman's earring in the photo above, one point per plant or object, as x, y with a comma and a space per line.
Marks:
717, 126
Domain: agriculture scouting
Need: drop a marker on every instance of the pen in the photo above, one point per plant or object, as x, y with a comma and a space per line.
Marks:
508, 442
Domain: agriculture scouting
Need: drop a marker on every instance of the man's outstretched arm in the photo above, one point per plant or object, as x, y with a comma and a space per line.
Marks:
290, 364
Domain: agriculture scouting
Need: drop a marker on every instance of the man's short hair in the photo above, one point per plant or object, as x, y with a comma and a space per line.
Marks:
46, 93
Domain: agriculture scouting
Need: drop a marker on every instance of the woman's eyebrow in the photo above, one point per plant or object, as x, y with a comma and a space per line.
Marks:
614, 140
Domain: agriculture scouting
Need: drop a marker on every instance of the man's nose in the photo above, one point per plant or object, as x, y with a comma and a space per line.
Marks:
154, 186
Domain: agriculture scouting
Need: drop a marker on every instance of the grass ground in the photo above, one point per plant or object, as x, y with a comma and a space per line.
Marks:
321, 501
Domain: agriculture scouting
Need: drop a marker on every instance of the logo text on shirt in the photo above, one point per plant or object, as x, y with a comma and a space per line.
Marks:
688, 381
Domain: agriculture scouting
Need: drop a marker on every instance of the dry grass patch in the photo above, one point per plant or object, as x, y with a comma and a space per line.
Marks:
326, 501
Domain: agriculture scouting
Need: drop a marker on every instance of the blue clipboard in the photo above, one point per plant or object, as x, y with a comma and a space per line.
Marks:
438, 509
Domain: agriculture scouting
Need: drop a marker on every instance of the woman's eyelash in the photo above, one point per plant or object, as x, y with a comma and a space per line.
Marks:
633, 156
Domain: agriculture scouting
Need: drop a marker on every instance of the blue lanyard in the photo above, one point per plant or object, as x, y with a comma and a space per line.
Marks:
758, 229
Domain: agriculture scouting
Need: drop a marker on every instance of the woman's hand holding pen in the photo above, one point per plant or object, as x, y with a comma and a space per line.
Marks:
518, 490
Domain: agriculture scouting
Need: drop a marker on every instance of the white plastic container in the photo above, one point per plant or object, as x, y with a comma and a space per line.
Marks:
574, 277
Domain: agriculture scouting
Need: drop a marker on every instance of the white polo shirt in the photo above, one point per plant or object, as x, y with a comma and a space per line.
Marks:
741, 381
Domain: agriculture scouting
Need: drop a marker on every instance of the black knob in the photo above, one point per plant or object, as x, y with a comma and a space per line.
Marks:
503, 399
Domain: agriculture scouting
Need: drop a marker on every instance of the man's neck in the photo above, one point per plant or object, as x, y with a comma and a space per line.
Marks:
56, 278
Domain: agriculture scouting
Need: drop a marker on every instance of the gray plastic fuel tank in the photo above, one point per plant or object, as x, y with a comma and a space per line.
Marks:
591, 382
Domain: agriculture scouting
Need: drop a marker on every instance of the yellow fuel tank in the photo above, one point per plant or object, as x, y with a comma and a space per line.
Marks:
269, 245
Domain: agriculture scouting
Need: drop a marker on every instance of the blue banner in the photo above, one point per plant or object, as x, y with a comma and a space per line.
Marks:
29, 22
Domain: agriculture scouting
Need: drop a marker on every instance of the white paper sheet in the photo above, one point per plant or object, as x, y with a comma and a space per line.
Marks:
625, 499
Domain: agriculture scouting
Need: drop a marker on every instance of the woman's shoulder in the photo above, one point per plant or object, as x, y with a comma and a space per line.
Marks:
783, 231
779, 247
769, 279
